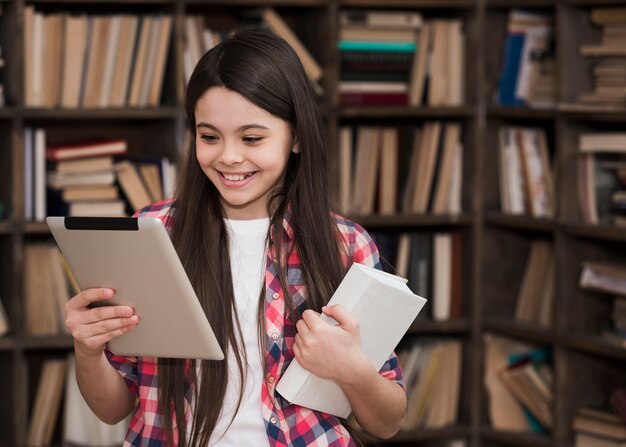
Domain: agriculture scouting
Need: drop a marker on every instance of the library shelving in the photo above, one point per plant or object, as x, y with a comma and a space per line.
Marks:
494, 246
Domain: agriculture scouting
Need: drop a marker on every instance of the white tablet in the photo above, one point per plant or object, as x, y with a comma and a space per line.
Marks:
136, 258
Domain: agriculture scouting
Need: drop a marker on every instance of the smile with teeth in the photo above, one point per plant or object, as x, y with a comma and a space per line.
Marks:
237, 177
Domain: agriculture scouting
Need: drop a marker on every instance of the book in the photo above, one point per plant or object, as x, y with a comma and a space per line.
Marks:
505, 411
374, 18
47, 402
87, 149
57, 180
278, 26
84, 165
132, 185
4, 320
80, 425
604, 277
385, 308
601, 423
602, 142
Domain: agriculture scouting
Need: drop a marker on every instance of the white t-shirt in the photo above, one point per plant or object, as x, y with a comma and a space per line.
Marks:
247, 260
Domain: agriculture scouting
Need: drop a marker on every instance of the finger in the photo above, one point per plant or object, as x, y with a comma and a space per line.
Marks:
345, 319
302, 328
297, 351
89, 296
98, 341
312, 320
109, 326
105, 313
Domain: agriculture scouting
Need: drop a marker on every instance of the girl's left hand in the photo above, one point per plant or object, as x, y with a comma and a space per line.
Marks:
330, 351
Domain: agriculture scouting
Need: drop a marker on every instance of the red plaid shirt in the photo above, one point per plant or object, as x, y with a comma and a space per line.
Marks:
286, 424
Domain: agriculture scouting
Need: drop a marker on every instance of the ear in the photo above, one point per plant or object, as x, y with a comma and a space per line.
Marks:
295, 148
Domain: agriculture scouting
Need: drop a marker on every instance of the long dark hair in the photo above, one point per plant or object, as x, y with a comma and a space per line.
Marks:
266, 71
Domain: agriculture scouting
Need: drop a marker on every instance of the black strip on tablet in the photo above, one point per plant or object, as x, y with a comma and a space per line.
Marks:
102, 223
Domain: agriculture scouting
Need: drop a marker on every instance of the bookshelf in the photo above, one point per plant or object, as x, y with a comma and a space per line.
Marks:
495, 245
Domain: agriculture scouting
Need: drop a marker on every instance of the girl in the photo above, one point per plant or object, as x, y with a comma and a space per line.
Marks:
253, 227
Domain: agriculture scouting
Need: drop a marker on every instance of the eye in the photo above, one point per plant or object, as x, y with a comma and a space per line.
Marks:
252, 140
209, 138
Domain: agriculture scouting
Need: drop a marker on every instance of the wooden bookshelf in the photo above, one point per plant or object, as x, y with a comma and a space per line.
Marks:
495, 245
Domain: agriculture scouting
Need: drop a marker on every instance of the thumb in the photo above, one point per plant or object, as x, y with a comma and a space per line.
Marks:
342, 315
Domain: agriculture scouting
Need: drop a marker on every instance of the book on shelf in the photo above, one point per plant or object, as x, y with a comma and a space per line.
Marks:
527, 76
385, 170
608, 57
80, 425
399, 20
432, 264
46, 290
519, 382
86, 149
598, 425
4, 320
525, 174
505, 412
607, 277
132, 185
387, 64
279, 27
589, 440
88, 59
536, 293
526, 383
47, 404
432, 373
382, 324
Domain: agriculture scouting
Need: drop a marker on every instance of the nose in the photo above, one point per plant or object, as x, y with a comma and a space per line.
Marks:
231, 153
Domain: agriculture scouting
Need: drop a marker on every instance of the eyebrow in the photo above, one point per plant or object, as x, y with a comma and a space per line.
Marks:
240, 129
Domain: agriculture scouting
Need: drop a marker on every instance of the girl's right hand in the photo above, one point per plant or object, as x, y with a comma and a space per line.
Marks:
92, 328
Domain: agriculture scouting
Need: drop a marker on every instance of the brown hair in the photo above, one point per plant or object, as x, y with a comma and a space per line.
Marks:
266, 71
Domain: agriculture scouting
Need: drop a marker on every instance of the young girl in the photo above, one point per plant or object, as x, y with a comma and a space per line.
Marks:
253, 227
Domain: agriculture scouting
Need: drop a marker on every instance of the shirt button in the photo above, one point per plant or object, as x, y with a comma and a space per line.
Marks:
273, 420
276, 295
274, 336
270, 379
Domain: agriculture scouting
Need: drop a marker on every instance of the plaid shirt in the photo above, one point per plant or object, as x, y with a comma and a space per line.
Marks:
286, 424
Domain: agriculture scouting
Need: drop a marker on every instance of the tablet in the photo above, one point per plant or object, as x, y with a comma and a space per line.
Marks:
136, 258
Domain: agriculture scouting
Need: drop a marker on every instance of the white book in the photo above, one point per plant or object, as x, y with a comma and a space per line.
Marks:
40, 175
28, 174
110, 59
80, 425
385, 307
442, 278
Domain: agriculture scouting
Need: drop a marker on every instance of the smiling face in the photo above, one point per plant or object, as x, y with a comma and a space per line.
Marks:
242, 149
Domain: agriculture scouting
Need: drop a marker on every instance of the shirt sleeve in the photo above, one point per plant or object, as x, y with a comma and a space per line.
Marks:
366, 253
127, 368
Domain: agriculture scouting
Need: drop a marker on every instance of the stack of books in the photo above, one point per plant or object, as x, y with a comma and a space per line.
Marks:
609, 58
376, 53
395, 57
609, 278
81, 179
598, 428
527, 76
602, 177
